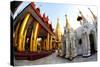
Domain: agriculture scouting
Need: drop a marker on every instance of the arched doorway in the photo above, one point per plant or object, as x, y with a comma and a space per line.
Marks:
39, 44
28, 36
92, 44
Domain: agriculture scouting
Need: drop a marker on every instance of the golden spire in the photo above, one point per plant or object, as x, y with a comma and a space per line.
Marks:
57, 26
57, 23
67, 23
58, 30
92, 14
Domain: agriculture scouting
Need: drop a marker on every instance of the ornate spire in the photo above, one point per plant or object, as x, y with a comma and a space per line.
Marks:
58, 30
67, 23
92, 14
57, 20
57, 26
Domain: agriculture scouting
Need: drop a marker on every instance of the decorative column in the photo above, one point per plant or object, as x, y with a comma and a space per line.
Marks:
47, 42
24, 38
22, 34
95, 39
83, 43
15, 35
63, 46
73, 47
33, 41
44, 44
50, 42
67, 45
86, 46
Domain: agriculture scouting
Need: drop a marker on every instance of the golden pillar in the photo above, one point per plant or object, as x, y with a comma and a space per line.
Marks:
15, 36
50, 42
22, 33
44, 44
24, 38
47, 41
33, 41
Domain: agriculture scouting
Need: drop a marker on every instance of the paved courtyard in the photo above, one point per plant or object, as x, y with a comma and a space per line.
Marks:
53, 59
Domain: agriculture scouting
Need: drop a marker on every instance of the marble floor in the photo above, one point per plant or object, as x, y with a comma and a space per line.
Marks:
54, 59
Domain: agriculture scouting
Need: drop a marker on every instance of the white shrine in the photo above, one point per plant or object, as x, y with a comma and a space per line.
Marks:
82, 41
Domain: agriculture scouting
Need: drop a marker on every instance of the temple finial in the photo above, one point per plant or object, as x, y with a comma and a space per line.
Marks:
58, 30
67, 23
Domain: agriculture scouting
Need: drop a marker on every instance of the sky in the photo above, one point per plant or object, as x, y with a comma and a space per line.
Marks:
57, 10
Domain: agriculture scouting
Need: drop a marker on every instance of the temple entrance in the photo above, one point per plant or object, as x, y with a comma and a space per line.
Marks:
92, 45
39, 44
28, 37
